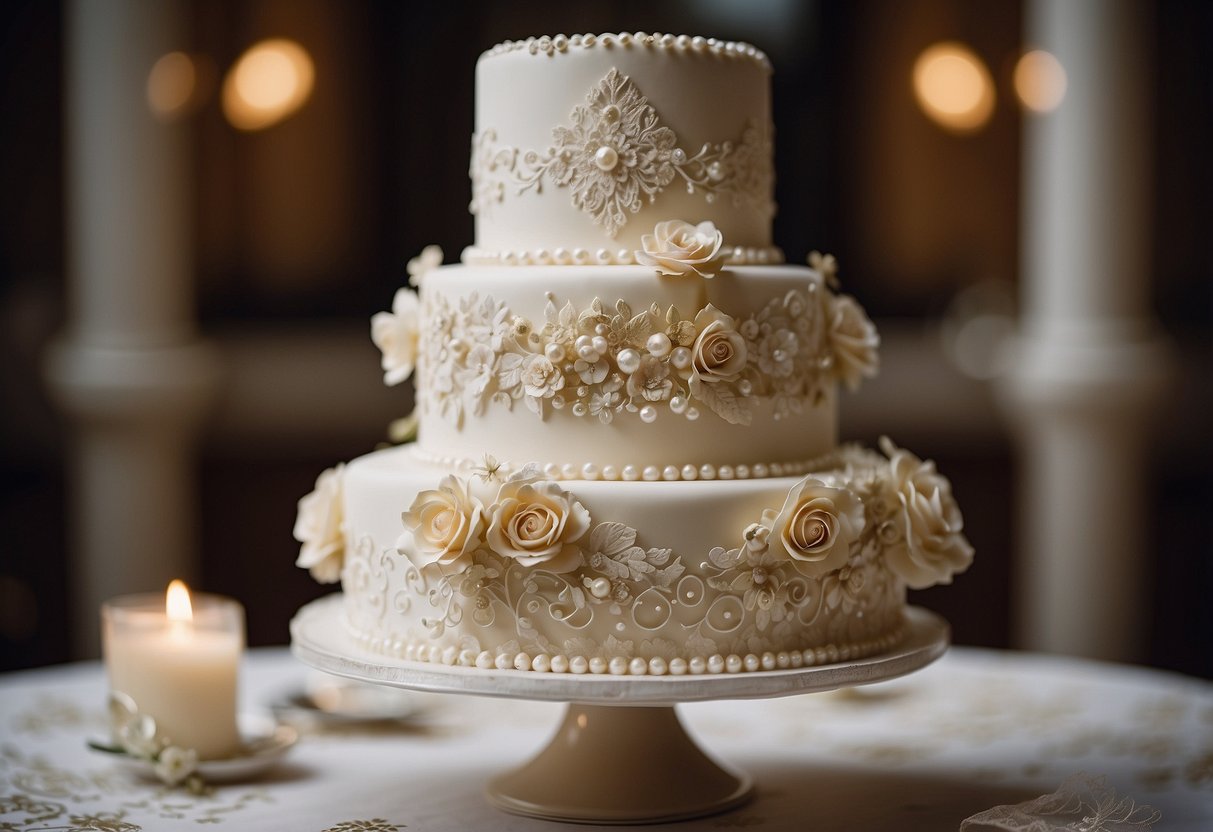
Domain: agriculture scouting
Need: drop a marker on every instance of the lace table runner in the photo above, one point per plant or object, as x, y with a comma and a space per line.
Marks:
1007, 741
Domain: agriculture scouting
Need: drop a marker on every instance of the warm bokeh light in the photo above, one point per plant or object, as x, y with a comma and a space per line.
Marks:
171, 85
177, 602
269, 82
954, 87
1040, 81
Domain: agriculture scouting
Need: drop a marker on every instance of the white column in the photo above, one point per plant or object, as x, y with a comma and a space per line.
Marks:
1090, 366
129, 371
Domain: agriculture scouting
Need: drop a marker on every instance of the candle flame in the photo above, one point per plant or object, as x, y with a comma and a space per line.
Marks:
177, 602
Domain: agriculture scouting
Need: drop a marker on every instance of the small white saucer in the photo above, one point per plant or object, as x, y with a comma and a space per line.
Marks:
328, 701
265, 741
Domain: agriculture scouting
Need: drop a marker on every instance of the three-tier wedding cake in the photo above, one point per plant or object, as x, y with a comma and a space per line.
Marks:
626, 458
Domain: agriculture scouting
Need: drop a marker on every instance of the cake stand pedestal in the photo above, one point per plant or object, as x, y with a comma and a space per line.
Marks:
621, 756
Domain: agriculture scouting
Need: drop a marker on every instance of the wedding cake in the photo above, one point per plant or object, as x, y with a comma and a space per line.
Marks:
626, 455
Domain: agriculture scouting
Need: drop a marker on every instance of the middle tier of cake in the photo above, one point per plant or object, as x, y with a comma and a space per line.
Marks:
616, 372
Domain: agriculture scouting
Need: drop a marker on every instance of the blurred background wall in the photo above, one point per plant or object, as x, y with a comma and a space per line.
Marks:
297, 226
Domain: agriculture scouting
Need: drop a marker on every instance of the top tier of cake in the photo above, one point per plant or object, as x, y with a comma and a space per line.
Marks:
583, 143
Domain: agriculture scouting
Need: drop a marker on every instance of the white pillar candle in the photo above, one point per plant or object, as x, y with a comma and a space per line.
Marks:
179, 663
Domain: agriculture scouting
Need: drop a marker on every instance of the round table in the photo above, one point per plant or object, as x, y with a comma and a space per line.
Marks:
978, 729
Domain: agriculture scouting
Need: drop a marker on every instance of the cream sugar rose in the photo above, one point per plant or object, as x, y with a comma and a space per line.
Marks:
627, 457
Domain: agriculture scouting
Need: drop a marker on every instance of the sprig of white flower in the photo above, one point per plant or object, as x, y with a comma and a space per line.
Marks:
174, 764
135, 734
429, 259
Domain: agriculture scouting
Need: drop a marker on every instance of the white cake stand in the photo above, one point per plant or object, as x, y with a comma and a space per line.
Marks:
621, 755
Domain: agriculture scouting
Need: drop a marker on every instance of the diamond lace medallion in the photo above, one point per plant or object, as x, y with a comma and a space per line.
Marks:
615, 154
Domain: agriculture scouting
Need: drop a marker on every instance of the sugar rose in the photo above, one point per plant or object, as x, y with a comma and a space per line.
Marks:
933, 547
443, 528
319, 526
719, 352
816, 526
853, 341
396, 335
537, 524
679, 248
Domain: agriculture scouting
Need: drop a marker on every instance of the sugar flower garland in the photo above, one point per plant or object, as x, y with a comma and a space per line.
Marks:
904, 501
831, 529
601, 362
496, 549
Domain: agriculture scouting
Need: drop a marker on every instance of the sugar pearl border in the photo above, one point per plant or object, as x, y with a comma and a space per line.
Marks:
645, 473
551, 45
631, 666
473, 256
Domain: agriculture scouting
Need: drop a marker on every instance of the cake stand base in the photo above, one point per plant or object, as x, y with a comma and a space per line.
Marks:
621, 755
609, 765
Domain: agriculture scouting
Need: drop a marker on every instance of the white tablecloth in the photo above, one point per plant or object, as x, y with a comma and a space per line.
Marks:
978, 729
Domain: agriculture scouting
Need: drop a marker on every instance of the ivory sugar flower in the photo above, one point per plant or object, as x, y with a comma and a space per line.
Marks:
817, 525
853, 342
396, 334
678, 248
934, 547
429, 259
319, 526
443, 527
719, 353
537, 524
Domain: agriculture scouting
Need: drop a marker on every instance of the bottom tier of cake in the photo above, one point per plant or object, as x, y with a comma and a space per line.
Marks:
495, 568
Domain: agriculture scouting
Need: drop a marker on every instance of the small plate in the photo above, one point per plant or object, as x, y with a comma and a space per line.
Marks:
332, 702
265, 741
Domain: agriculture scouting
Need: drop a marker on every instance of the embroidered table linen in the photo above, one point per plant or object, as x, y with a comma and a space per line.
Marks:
977, 730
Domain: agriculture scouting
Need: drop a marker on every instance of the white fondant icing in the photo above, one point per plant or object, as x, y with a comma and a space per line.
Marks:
508, 374
696, 597
703, 97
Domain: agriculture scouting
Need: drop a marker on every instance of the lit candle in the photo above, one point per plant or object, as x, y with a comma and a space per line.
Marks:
178, 661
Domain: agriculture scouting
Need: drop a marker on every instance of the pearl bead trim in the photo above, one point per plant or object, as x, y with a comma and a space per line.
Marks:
634, 666
473, 256
679, 44
646, 473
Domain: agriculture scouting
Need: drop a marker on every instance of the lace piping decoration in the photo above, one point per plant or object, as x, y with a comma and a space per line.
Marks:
615, 154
